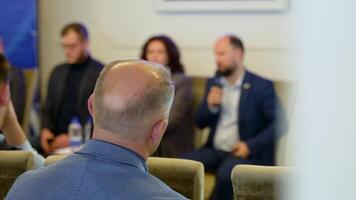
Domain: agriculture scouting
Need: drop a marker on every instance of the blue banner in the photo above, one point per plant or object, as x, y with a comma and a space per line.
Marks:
18, 29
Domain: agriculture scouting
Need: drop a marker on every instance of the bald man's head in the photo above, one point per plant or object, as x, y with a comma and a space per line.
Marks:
229, 54
130, 96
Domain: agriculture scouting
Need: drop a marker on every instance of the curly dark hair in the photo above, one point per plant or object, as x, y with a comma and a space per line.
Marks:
174, 63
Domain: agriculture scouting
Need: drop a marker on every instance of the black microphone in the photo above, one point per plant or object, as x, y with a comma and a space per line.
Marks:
217, 80
218, 83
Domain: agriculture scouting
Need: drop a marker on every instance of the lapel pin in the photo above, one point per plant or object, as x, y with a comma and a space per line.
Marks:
246, 86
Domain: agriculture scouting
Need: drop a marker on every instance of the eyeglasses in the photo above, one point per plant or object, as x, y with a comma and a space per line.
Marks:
69, 46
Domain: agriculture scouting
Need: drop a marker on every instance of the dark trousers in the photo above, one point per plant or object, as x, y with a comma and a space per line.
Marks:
221, 163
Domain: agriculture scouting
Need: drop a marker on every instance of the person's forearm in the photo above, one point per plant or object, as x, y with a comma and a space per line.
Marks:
2, 113
14, 134
11, 128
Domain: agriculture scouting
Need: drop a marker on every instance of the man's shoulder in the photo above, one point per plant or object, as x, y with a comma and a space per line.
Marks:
259, 84
149, 186
64, 178
257, 78
164, 190
96, 63
114, 178
60, 68
63, 174
30, 184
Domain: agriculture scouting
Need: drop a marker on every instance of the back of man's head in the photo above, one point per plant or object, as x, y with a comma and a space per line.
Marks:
4, 70
130, 97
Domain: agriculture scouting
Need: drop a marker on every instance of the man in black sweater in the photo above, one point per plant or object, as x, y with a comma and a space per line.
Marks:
69, 88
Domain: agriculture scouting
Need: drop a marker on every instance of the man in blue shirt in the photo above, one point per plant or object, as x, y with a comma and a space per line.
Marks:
130, 108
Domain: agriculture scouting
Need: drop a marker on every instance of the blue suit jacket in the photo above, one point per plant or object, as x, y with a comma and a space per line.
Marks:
257, 113
99, 171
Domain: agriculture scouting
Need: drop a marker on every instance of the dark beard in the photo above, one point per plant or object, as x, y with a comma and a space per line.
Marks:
226, 72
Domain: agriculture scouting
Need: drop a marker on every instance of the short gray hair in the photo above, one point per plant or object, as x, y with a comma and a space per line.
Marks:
141, 111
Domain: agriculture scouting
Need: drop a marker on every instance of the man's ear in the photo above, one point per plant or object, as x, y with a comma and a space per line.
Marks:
86, 45
239, 54
90, 104
158, 131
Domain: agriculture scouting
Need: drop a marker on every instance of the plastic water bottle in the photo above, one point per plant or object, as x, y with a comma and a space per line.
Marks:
75, 133
87, 130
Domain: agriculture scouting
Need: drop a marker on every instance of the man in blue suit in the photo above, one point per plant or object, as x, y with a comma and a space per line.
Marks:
240, 108
129, 123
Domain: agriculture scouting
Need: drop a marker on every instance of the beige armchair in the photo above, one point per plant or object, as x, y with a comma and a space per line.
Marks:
184, 176
12, 165
252, 182
54, 158
285, 91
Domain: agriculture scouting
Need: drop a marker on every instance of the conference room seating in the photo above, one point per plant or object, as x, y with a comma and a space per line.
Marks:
183, 176
12, 165
284, 90
252, 182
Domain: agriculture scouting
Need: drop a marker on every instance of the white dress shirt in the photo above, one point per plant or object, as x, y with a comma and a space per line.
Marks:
227, 131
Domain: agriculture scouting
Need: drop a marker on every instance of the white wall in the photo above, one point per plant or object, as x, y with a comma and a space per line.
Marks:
326, 112
118, 28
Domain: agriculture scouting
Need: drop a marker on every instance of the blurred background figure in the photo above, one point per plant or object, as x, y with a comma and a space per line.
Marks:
240, 109
69, 87
14, 135
178, 138
17, 87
